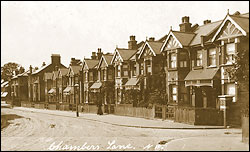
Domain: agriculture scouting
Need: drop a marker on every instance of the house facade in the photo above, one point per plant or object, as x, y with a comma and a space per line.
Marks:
152, 73
89, 75
102, 91
19, 88
36, 79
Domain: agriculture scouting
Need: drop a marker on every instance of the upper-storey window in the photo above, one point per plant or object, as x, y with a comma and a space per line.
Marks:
183, 59
148, 66
91, 77
141, 68
173, 60
230, 53
133, 69
104, 74
125, 70
199, 58
212, 57
118, 70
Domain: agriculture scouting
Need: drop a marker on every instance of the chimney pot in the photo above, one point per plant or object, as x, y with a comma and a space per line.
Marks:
151, 39
132, 38
206, 22
185, 19
185, 26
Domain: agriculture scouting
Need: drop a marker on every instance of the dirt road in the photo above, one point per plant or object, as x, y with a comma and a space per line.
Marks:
31, 130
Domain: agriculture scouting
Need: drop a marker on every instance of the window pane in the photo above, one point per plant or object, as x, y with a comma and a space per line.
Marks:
230, 48
174, 89
174, 97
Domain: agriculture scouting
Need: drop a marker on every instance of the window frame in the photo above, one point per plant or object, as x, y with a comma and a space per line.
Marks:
212, 57
199, 58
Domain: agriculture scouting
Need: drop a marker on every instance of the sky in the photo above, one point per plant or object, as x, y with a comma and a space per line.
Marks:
32, 31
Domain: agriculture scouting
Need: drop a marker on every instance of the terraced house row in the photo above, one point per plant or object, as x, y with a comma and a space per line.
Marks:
181, 76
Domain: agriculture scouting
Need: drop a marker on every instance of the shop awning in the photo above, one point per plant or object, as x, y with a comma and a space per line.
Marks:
67, 89
52, 91
96, 85
4, 94
132, 82
202, 77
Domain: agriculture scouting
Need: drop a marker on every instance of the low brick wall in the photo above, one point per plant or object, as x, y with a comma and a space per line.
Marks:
25, 104
199, 116
39, 106
129, 110
52, 106
64, 107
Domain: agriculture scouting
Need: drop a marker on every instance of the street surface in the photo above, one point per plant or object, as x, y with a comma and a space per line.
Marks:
54, 130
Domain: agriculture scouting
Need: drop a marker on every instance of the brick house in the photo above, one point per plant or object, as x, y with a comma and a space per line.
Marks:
194, 61
151, 73
19, 87
102, 91
72, 91
62, 81
90, 75
48, 80
36, 83
231, 37
124, 69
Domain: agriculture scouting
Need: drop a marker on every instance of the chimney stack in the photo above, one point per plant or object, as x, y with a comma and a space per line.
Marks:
43, 64
74, 62
185, 26
56, 59
206, 22
93, 56
151, 39
99, 53
30, 68
132, 43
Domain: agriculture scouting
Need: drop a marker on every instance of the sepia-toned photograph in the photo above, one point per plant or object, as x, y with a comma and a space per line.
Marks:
124, 75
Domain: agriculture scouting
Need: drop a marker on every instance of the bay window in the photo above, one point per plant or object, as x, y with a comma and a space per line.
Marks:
173, 60
230, 90
174, 93
230, 53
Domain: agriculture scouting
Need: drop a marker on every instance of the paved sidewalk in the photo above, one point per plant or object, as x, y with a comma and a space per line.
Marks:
225, 143
122, 120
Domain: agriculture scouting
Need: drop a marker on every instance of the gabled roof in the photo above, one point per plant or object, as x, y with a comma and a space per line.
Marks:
243, 22
182, 39
91, 63
75, 69
204, 30
240, 22
124, 54
107, 58
154, 47
46, 66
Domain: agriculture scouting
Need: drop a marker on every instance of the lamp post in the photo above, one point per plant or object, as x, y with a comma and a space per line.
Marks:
76, 86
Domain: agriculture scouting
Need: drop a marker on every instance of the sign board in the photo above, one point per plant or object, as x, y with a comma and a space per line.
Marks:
222, 104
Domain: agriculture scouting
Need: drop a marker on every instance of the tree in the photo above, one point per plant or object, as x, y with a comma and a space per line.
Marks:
240, 73
9, 70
